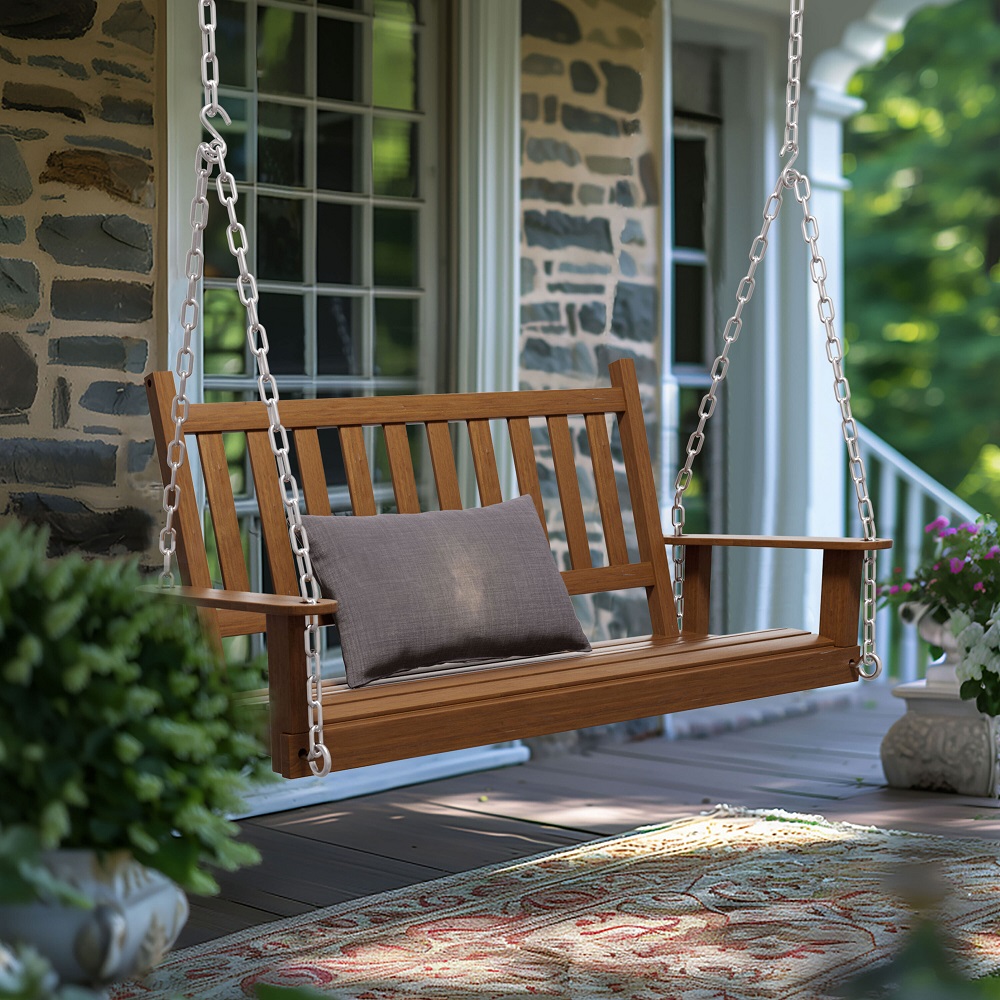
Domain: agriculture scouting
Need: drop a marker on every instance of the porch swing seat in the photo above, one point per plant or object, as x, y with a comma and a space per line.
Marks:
438, 710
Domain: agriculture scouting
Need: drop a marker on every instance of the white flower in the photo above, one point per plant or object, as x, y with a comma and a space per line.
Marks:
993, 663
971, 634
968, 671
959, 621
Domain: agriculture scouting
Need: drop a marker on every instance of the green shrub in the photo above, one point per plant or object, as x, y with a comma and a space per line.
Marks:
119, 725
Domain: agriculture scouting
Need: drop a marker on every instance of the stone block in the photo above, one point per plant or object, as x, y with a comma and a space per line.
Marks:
20, 288
124, 177
645, 368
63, 464
634, 313
550, 107
583, 77
120, 399
74, 70
627, 264
537, 64
46, 19
622, 194
12, 229
624, 90
555, 230
544, 356
529, 107
625, 38
109, 67
576, 119
112, 144
112, 241
92, 300
139, 454
540, 312
590, 194
569, 267
551, 150
133, 24
593, 317
649, 179
550, 20
76, 527
49, 100
18, 374
620, 165
120, 110
27, 134
60, 403
641, 8
542, 189
632, 233
575, 288
15, 181
528, 272
121, 353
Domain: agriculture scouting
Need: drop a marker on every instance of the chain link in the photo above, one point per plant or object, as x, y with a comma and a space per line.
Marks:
210, 154
798, 183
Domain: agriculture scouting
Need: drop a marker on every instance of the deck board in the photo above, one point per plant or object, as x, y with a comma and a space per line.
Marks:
823, 762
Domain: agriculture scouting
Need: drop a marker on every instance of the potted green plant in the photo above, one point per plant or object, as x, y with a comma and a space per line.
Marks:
123, 744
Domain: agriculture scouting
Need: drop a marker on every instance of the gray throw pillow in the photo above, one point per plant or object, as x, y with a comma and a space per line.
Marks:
422, 589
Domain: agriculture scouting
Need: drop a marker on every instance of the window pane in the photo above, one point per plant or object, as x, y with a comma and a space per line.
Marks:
394, 64
394, 157
689, 315
281, 51
231, 43
407, 10
343, 4
338, 151
690, 175
338, 231
219, 262
235, 136
279, 238
281, 144
284, 317
338, 335
395, 247
224, 320
697, 499
338, 70
396, 329
333, 457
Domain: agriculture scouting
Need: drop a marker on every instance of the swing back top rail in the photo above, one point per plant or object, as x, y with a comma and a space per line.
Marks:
620, 680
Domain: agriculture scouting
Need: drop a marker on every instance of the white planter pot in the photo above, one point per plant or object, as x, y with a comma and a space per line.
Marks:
136, 917
941, 674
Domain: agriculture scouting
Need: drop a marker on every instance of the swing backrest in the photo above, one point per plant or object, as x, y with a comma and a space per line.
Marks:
523, 414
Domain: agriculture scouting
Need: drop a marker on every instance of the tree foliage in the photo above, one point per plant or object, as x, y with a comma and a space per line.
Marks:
922, 241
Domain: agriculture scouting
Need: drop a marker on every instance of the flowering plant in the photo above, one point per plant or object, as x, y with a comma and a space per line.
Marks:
963, 572
979, 669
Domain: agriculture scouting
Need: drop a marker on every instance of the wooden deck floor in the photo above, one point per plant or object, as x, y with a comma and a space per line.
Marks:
825, 762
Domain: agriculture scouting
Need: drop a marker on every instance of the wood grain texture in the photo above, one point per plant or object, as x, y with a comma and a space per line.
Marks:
564, 461
840, 598
312, 474
526, 465
272, 514
223, 509
287, 685
443, 465
260, 604
607, 488
359, 476
404, 483
697, 590
642, 489
484, 460
781, 542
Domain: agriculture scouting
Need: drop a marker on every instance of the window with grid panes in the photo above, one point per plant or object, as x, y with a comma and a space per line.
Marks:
697, 120
332, 144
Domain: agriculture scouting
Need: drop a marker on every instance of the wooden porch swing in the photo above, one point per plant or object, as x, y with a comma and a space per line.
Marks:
318, 726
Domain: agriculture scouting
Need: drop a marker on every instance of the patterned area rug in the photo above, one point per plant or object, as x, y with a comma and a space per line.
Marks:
727, 906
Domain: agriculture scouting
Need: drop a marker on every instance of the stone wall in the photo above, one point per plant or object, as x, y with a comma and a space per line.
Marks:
592, 121
78, 151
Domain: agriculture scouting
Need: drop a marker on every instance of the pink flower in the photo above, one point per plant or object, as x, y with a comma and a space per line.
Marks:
980, 586
907, 587
936, 524
894, 589
972, 529
937, 566
956, 565
947, 532
993, 552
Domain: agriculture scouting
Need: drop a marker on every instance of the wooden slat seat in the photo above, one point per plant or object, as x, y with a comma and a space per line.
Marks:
435, 710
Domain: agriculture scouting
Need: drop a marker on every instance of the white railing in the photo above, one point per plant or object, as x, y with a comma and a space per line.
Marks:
906, 499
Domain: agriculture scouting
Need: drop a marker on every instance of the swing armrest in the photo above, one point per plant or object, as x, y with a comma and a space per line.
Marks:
238, 600
781, 542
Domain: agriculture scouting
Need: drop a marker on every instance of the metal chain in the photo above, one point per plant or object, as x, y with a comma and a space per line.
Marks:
212, 153
797, 182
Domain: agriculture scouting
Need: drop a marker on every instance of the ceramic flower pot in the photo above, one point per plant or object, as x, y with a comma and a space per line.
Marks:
136, 917
941, 673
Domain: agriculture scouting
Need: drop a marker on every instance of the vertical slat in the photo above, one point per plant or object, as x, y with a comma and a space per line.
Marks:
443, 464
220, 501
840, 600
525, 463
485, 461
404, 483
192, 559
311, 472
272, 514
569, 492
287, 683
642, 489
697, 588
607, 489
359, 476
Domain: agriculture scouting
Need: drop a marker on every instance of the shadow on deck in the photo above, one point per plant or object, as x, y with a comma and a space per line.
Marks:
825, 762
